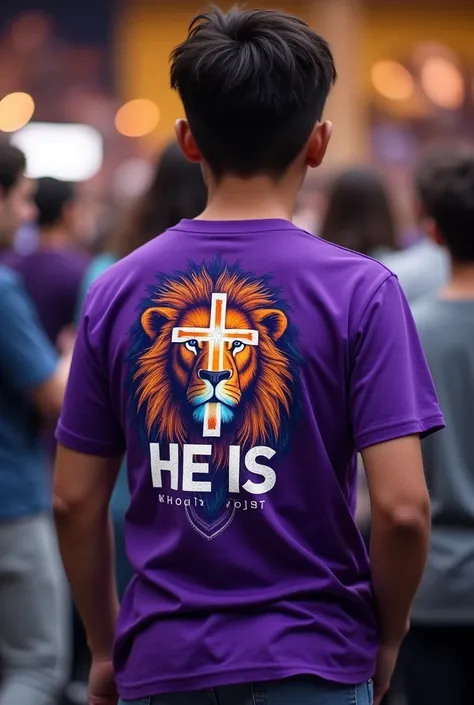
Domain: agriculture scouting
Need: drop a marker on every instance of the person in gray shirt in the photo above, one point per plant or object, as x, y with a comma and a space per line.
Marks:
436, 658
423, 268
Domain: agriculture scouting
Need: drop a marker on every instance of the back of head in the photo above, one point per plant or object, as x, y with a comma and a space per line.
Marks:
253, 84
12, 167
359, 213
444, 181
52, 196
177, 191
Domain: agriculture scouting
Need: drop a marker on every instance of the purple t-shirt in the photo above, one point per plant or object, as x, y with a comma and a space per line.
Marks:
242, 365
53, 278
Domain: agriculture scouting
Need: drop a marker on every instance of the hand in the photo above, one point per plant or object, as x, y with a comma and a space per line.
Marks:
386, 662
65, 341
102, 688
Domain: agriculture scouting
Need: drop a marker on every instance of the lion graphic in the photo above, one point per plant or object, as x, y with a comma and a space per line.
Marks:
215, 355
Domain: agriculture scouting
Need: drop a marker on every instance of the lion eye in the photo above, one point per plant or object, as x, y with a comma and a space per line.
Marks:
237, 346
192, 345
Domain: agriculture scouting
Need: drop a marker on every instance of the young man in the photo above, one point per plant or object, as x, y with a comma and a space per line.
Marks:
53, 272
437, 662
242, 363
33, 595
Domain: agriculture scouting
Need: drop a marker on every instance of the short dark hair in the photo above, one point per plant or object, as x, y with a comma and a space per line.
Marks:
51, 197
253, 84
444, 181
12, 166
359, 213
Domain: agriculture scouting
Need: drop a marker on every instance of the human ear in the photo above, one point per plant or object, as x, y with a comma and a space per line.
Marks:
318, 144
186, 141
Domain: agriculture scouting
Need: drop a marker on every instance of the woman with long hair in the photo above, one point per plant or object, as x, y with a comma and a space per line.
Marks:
359, 214
176, 191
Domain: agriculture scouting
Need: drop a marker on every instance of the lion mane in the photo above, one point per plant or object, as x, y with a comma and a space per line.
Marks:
159, 395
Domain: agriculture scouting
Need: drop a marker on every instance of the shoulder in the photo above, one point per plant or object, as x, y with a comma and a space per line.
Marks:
341, 259
346, 275
427, 312
420, 268
10, 281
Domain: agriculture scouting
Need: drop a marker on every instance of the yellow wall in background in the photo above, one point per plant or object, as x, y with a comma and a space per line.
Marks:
149, 29
391, 32
146, 34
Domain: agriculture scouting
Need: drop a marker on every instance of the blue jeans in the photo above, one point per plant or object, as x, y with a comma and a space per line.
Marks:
304, 690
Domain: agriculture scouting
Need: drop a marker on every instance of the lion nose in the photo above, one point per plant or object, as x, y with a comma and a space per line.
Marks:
214, 377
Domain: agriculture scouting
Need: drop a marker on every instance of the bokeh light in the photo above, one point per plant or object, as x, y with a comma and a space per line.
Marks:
137, 118
68, 152
392, 80
442, 82
16, 110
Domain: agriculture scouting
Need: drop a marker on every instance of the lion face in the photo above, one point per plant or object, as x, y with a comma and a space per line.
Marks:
223, 383
217, 364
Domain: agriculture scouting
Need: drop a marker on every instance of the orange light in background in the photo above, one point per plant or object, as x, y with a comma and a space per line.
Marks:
392, 80
137, 118
16, 110
443, 83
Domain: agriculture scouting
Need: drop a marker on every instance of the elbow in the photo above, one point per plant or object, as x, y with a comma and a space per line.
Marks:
61, 508
64, 508
407, 517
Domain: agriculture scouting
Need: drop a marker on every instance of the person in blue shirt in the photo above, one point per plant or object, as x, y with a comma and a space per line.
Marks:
33, 595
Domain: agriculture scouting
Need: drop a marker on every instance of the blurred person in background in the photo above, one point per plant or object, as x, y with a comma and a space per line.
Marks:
310, 204
359, 214
17, 202
276, 601
53, 272
437, 654
33, 593
423, 268
177, 190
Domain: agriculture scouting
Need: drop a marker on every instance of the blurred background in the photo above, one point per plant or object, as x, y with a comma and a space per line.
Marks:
84, 88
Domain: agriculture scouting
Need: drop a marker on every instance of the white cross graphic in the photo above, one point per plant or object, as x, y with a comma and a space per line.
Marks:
217, 335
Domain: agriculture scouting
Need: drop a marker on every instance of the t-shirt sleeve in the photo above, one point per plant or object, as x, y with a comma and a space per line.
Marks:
391, 390
89, 423
27, 358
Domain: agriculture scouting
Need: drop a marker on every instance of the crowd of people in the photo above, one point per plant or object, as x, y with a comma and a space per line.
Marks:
226, 383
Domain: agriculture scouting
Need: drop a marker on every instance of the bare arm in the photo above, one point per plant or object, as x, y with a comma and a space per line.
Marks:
400, 530
48, 396
83, 486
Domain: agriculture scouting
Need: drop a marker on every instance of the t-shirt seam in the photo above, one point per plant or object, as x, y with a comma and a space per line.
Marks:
72, 440
235, 232
373, 295
396, 424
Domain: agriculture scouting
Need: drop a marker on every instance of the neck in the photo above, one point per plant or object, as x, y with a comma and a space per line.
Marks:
461, 285
258, 198
56, 237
